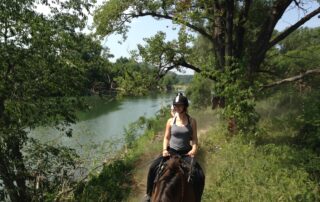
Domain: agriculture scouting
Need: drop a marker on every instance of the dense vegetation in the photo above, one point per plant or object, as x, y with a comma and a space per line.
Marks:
47, 65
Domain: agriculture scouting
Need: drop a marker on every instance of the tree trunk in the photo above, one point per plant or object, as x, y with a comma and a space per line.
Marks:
13, 171
229, 31
1, 108
218, 35
21, 174
7, 178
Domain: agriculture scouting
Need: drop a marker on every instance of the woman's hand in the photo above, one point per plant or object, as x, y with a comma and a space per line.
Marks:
165, 153
192, 153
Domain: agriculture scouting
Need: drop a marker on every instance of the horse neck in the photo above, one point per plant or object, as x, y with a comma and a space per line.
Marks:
170, 188
172, 184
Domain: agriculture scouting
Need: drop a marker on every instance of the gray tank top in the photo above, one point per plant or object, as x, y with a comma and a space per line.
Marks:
180, 136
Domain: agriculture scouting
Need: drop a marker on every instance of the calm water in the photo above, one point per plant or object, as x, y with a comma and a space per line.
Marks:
104, 121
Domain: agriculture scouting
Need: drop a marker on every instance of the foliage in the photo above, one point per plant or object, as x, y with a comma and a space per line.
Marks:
164, 56
133, 78
52, 168
98, 68
274, 168
308, 121
306, 37
112, 184
199, 92
41, 78
292, 58
168, 81
239, 97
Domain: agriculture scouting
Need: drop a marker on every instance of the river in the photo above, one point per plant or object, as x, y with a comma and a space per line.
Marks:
104, 122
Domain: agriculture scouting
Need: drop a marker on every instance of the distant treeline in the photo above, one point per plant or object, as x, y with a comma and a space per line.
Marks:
128, 77
184, 79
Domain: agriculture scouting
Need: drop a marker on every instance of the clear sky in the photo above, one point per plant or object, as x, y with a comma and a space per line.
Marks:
146, 27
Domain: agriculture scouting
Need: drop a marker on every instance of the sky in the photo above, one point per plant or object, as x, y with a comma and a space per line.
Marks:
146, 27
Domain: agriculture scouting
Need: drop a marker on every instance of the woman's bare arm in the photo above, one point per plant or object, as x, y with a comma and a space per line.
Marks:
194, 149
166, 138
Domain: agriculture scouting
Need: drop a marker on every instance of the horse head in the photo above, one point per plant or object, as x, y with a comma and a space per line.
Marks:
172, 185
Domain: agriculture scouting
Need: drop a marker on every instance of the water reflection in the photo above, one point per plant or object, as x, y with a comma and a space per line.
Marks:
105, 120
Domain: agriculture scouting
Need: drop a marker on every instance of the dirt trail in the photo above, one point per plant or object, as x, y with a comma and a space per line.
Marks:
142, 166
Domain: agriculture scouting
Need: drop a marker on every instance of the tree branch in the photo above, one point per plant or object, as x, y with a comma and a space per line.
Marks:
265, 34
291, 79
189, 66
181, 62
191, 26
267, 28
289, 30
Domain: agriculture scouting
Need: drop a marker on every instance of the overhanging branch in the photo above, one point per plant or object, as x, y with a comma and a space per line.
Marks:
289, 30
168, 17
291, 79
189, 66
178, 63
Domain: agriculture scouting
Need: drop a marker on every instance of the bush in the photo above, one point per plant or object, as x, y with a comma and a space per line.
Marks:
112, 184
308, 121
199, 92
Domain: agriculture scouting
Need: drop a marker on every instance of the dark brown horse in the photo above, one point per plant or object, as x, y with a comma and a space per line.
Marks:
173, 185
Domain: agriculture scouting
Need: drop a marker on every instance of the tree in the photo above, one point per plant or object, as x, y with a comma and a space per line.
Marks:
199, 91
241, 33
99, 75
168, 81
236, 29
134, 78
41, 79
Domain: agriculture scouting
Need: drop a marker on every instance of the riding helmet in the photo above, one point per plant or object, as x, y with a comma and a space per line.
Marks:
181, 99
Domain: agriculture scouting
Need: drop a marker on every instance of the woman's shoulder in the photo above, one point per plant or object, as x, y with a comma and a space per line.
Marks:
170, 120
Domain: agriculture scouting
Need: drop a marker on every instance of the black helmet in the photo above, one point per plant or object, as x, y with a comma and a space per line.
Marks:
181, 99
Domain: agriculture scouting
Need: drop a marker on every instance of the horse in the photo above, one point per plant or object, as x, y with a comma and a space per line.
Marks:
173, 184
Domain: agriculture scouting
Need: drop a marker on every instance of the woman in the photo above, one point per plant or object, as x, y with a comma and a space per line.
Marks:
180, 138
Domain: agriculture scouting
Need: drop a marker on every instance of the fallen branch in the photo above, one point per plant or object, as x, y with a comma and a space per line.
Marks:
291, 79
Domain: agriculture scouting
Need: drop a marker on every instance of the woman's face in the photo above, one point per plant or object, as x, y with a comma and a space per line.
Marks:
179, 108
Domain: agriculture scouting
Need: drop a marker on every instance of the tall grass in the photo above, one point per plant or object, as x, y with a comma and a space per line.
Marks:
273, 167
238, 171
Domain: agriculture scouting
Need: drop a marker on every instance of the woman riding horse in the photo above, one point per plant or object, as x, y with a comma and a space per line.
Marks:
181, 130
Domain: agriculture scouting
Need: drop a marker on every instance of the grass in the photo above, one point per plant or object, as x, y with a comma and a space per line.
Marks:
237, 171
269, 168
